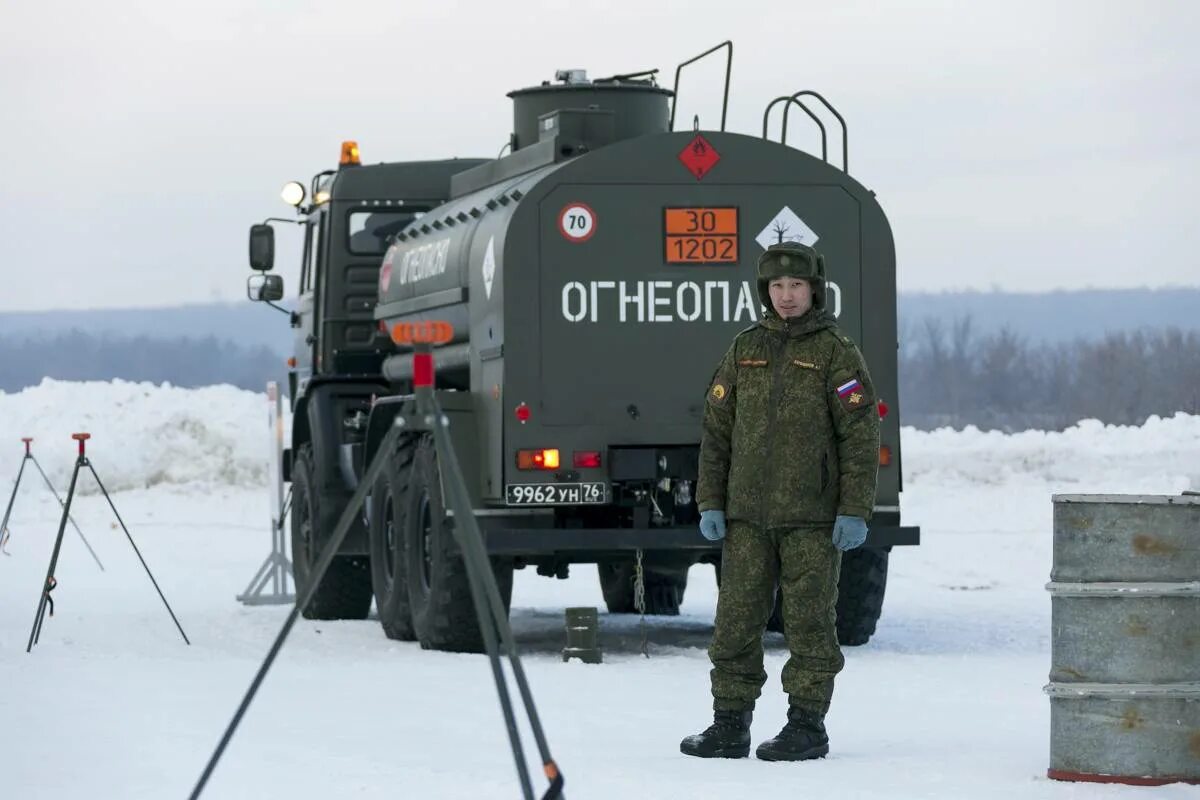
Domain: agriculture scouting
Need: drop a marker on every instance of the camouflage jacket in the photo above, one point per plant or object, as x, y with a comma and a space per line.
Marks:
791, 431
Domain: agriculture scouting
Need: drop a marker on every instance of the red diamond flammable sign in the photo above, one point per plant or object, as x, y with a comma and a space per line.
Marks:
699, 156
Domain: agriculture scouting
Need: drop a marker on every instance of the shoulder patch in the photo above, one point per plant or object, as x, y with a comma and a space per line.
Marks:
852, 394
719, 393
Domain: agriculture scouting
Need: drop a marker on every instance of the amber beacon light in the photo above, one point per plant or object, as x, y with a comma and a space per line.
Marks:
349, 154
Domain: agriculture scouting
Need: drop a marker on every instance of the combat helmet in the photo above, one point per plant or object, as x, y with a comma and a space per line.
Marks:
791, 260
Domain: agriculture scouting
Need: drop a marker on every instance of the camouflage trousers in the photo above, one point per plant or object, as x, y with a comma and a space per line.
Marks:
805, 565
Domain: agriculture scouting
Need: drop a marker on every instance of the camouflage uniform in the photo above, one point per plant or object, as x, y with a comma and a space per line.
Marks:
791, 440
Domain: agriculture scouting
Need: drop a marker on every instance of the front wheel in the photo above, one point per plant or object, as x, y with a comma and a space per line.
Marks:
345, 590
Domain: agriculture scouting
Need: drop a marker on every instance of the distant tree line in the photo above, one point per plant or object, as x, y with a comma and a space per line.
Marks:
951, 376
79, 356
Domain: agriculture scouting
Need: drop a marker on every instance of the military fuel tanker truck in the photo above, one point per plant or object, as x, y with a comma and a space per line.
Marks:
592, 278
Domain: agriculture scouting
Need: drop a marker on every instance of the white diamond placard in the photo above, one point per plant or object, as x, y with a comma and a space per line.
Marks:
489, 267
786, 227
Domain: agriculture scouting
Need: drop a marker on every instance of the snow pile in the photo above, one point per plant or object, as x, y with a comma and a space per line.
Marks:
142, 434
1160, 456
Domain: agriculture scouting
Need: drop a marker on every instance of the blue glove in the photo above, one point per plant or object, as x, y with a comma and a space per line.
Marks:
848, 532
712, 524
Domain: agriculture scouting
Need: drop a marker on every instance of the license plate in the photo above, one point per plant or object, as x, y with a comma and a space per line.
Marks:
552, 494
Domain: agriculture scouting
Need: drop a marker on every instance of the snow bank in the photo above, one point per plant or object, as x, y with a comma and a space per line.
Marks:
142, 434
1160, 456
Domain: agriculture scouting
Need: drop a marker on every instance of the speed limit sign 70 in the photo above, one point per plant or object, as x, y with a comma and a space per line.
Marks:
577, 222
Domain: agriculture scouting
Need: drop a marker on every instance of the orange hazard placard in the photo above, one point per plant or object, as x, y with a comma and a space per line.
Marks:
701, 235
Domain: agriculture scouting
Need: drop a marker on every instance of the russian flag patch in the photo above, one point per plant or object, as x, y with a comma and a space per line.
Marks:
852, 394
849, 387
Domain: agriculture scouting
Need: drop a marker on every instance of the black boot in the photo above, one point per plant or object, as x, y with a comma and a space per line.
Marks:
802, 738
727, 737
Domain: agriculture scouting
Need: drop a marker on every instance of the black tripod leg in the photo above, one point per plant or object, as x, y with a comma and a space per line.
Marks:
13, 498
470, 542
138, 552
353, 507
50, 486
36, 631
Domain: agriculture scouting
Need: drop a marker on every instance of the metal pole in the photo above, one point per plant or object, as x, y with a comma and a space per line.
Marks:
276, 568
50, 486
319, 569
35, 631
480, 581
13, 498
470, 541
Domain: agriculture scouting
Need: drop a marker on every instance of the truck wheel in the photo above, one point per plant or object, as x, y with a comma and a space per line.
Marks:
664, 591
439, 593
389, 566
860, 594
345, 591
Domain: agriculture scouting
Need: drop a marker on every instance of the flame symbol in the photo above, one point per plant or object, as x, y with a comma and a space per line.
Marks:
698, 147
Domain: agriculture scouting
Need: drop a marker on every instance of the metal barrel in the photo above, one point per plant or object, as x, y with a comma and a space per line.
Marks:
583, 627
1125, 641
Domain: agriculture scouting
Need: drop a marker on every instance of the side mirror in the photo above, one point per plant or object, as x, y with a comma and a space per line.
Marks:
262, 247
264, 288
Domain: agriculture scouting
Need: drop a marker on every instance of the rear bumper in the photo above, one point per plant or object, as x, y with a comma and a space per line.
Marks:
515, 538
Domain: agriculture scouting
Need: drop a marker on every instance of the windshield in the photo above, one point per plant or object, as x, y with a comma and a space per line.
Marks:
368, 232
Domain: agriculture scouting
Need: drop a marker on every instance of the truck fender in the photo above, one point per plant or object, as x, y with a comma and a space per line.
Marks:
457, 406
316, 422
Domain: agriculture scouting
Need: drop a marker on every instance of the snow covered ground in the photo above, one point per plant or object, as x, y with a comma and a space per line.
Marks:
945, 702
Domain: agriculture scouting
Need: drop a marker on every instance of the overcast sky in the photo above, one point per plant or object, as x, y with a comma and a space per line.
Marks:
1020, 145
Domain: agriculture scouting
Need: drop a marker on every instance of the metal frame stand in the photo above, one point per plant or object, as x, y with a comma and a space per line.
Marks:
8, 512
51, 582
276, 570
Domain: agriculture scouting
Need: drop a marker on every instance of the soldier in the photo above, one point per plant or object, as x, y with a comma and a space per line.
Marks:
788, 461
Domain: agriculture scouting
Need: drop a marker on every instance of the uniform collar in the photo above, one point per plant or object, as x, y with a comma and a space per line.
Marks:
810, 321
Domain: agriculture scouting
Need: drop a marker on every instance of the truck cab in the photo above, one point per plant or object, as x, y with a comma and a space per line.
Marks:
347, 217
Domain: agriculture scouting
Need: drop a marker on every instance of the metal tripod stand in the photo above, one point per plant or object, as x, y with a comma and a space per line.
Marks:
276, 570
51, 582
8, 512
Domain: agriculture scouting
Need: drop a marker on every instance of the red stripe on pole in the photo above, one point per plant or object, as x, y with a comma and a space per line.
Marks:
422, 369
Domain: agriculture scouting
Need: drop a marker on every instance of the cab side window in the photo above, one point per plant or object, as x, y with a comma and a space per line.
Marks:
312, 247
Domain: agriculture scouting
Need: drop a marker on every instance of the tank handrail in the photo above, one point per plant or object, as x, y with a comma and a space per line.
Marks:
807, 110
832, 110
728, 70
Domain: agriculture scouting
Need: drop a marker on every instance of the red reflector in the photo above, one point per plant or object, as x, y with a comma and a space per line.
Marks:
883, 409
422, 369
587, 459
523, 413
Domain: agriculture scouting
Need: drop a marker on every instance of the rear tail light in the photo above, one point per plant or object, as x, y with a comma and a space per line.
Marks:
538, 459
883, 409
587, 459
523, 413
885, 455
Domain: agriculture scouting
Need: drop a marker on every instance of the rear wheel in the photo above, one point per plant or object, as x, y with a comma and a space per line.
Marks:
664, 589
389, 565
860, 595
443, 613
345, 590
